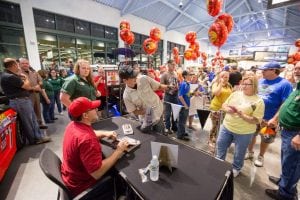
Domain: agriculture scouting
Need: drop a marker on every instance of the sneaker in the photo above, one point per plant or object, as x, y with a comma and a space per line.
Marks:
274, 194
259, 162
249, 155
192, 128
168, 131
43, 126
274, 179
44, 139
235, 172
184, 138
61, 113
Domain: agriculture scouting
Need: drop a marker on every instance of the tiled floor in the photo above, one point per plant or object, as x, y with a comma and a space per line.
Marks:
25, 181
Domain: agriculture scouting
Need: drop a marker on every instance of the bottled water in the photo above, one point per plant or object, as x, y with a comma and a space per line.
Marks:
154, 168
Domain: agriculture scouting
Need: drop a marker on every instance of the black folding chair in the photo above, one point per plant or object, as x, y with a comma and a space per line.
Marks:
50, 164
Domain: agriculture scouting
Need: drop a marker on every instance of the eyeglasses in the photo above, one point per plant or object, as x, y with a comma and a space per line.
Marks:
245, 84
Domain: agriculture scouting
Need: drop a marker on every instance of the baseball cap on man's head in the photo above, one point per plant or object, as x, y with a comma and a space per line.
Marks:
127, 72
270, 65
82, 105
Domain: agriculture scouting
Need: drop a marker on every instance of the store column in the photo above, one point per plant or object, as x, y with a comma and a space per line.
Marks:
30, 34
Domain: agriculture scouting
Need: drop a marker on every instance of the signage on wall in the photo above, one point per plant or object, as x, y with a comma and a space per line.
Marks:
280, 3
270, 56
112, 77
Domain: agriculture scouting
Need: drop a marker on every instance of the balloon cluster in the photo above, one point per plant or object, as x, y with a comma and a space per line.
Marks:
294, 58
214, 7
192, 53
175, 52
219, 30
150, 45
204, 59
125, 34
218, 60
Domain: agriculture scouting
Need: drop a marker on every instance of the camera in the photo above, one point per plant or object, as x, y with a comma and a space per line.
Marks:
180, 5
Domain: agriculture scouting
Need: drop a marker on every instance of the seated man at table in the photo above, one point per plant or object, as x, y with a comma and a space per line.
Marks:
82, 163
139, 97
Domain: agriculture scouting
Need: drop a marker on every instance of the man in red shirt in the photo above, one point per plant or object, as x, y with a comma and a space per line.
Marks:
100, 85
82, 163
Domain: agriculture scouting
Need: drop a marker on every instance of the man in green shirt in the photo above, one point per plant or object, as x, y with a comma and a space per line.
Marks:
289, 120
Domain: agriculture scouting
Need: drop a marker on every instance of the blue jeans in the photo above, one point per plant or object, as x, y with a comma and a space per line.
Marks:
183, 115
29, 125
168, 109
241, 142
48, 109
57, 100
290, 165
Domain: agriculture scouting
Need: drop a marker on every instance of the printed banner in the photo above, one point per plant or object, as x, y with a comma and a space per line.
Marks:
175, 109
203, 115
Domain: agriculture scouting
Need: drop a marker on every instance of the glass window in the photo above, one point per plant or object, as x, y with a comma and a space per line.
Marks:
137, 38
97, 30
44, 19
99, 52
66, 47
110, 57
65, 23
12, 44
111, 33
143, 38
48, 51
10, 13
82, 27
84, 50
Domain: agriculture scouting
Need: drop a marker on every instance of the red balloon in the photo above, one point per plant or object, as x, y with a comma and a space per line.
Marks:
198, 53
297, 43
130, 39
177, 59
155, 34
175, 51
214, 7
124, 24
297, 56
204, 55
188, 54
194, 45
191, 36
149, 46
227, 20
125, 34
217, 34
194, 55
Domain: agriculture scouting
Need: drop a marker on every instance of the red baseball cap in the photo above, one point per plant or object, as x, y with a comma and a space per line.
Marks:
81, 105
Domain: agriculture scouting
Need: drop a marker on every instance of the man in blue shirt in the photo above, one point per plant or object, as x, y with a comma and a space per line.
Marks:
184, 100
273, 89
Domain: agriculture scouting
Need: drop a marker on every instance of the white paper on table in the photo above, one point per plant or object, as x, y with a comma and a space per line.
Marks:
172, 150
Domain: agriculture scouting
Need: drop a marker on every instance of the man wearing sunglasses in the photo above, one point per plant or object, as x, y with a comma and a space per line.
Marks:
139, 97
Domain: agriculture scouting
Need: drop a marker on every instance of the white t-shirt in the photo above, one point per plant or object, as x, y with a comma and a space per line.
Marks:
144, 97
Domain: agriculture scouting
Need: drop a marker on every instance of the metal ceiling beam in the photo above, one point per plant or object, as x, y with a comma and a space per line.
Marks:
179, 10
125, 7
149, 3
236, 6
248, 6
235, 16
187, 5
259, 31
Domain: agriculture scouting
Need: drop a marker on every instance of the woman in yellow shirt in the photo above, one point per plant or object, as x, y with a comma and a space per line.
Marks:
221, 89
244, 109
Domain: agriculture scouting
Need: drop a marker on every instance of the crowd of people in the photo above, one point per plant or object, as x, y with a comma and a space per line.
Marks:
242, 103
